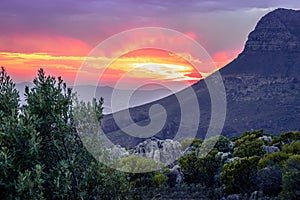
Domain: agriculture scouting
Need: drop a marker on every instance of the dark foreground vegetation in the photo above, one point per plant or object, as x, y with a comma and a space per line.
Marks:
42, 157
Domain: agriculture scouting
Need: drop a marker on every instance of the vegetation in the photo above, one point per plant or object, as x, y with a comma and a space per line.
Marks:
42, 156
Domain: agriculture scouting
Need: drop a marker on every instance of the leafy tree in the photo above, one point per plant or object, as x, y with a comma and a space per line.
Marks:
19, 147
292, 148
9, 95
240, 176
286, 138
160, 179
249, 136
291, 178
273, 159
194, 142
221, 143
41, 154
270, 180
200, 169
249, 148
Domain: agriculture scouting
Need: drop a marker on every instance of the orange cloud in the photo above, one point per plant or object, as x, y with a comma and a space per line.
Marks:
54, 45
152, 65
62, 56
224, 57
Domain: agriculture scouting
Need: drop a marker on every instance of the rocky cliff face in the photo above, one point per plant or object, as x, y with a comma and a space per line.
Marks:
272, 48
277, 31
262, 86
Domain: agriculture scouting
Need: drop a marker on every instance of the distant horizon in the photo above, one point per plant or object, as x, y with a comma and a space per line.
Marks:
59, 39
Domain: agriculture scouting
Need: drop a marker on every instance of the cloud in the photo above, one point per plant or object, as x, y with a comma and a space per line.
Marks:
73, 27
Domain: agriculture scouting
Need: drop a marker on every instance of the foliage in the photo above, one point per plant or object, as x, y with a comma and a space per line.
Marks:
270, 180
240, 175
292, 148
273, 159
221, 143
199, 169
9, 95
291, 178
41, 155
249, 148
286, 138
45, 154
194, 142
249, 136
160, 179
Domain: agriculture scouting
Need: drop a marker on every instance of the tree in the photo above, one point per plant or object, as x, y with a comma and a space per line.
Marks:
273, 159
20, 172
9, 95
249, 148
286, 138
270, 180
200, 169
249, 136
221, 143
292, 148
240, 176
291, 178
41, 154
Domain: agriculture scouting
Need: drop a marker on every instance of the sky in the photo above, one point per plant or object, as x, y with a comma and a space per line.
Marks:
59, 35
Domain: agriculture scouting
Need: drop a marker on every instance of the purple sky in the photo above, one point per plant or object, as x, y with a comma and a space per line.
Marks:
221, 25
76, 26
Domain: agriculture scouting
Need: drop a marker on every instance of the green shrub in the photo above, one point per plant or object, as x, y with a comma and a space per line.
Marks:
249, 148
273, 159
291, 178
240, 175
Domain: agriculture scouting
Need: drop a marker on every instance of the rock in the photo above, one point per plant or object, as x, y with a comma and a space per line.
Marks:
234, 197
164, 151
266, 138
230, 160
276, 31
254, 195
176, 175
271, 149
223, 155
117, 152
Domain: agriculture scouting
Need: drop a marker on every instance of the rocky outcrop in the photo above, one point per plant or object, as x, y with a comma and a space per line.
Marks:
164, 151
270, 149
277, 31
272, 48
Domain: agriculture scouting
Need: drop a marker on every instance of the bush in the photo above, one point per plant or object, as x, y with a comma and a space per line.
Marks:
41, 154
291, 178
273, 159
249, 148
292, 148
269, 180
240, 175
200, 169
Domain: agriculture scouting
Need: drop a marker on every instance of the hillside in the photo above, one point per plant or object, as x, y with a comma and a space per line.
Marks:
262, 87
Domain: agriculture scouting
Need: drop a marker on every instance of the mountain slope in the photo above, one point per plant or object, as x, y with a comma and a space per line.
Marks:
262, 87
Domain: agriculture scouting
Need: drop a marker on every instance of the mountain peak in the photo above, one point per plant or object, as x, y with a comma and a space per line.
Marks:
278, 30
272, 48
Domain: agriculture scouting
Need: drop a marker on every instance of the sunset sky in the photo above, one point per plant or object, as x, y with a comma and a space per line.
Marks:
59, 35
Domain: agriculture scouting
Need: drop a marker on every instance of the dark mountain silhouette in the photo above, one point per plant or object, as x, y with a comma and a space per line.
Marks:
262, 87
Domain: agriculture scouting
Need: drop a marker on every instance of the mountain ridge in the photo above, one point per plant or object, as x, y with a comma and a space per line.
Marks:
262, 87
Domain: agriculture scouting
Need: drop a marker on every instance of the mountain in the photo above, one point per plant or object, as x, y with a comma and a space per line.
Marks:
262, 88
139, 97
272, 49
